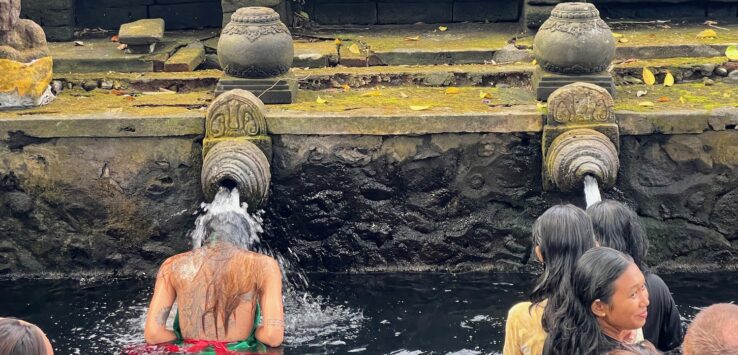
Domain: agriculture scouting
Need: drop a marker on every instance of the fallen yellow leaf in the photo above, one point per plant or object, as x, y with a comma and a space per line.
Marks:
404, 95
668, 79
338, 41
354, 48
732, 53
372, 93
414, 38
645, 104
485, 95
663, 99
419, 108
707, 34
726, 95
623, 40
442, 28
682, 100
452, 90
617, 35
534, 62
542, 108
648, 77
321, 100
345, 87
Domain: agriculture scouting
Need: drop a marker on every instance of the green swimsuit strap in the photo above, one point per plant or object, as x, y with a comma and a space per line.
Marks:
249, 343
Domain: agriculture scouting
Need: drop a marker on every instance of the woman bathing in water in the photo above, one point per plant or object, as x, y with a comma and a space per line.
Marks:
616, 226
605, 300
560, 236
228, 298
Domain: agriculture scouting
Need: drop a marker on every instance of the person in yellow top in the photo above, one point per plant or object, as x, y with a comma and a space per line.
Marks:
560, 236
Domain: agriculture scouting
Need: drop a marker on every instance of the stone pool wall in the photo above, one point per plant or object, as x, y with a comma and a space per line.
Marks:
122, 200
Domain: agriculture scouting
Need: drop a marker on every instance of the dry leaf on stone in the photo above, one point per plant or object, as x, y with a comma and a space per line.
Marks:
668, 79
345, 87
617, 35
452, 90
413, 38
354, 48
648, 77
534, 62
404, 95
623, 40
79, 43
640, 93
114, 38
707, 34
122, 46
682, 100
442, 28
372, 93
321, 100
485, 95
732, 53
645, 104
663, 99
419, 108
337, 41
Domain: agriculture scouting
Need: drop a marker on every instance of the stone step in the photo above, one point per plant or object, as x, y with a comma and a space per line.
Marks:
681, 109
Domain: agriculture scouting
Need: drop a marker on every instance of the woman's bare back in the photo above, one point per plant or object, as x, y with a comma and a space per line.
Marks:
193, 276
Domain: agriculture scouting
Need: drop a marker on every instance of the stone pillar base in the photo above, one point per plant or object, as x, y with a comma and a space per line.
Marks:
545, 83
278, 90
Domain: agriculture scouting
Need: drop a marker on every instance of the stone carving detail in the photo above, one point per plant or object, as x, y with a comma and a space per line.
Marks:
236, 113
252, 33
574, 40
25, 64
581, 102
240, 162
254, 71
580, 152
255, 44
574, 28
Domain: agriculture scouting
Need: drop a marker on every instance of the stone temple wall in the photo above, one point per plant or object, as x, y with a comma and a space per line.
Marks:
60, 17
353, 203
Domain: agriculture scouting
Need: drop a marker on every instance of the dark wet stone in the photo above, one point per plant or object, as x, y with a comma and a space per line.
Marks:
19, 202
89, 85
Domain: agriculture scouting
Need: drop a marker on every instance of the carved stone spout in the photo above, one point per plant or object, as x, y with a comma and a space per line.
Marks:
240, 164
236, 148
580, 138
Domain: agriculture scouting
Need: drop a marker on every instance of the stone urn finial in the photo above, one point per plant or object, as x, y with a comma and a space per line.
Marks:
255, 44
25, 64
574, 40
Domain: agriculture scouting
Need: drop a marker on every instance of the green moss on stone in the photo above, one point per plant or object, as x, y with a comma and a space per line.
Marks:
688, 96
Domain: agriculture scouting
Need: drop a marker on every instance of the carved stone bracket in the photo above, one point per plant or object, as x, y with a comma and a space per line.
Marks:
235, 114
581, 137
237, 147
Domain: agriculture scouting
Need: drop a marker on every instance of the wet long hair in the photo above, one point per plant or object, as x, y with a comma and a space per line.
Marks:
233, 273
617, 226
564, 233
574, 328
21, 338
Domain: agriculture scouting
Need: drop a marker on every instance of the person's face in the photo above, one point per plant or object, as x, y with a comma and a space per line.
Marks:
627, 308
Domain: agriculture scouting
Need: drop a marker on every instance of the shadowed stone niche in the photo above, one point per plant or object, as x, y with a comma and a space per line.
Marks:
580, 138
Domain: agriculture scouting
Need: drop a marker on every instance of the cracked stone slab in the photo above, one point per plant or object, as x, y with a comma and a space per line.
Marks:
142, 32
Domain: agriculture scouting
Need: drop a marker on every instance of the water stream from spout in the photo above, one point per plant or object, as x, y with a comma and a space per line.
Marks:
591, 190
307, 318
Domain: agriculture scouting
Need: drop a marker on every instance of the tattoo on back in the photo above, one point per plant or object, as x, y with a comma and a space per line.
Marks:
161, 318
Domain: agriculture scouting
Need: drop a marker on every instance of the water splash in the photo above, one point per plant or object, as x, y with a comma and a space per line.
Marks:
591, 190
307, 318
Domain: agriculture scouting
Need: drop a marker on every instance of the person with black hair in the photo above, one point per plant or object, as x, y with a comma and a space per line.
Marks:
560, 236
617, 226
605, 300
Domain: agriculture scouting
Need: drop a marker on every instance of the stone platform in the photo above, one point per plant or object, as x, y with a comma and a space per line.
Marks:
545, 83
